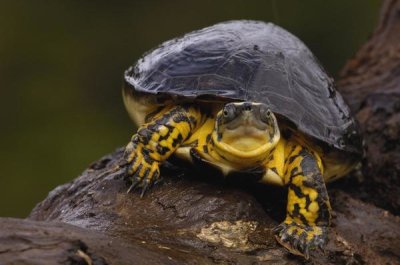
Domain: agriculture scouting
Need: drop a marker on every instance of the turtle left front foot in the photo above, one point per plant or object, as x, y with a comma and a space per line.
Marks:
299, 239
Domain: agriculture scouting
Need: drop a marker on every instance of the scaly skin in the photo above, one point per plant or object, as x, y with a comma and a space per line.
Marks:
308, 208
157, 140
293, 162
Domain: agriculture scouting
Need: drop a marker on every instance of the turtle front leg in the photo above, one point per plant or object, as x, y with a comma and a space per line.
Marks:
155, 141
308, 207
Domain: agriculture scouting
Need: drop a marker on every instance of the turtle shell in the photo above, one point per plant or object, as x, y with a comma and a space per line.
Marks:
250, 61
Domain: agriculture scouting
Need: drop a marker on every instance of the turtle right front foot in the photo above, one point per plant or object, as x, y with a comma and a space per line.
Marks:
142, 170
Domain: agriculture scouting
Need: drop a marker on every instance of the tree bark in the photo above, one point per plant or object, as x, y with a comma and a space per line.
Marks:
370, 82
189, 220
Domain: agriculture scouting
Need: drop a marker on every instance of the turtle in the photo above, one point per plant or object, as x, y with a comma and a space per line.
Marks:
245, 97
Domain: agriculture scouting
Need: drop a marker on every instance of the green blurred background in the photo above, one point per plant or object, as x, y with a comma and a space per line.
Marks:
61, 66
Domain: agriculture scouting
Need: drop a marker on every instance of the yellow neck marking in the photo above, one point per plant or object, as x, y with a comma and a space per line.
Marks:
241, 157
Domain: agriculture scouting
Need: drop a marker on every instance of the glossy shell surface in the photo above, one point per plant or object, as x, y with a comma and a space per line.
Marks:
250, 61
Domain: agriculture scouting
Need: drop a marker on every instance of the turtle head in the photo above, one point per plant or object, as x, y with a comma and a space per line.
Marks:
245, 131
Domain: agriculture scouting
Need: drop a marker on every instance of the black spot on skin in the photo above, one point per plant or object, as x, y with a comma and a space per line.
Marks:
323, 216
153, 127
144, 135
133, 161
308, 201
274, 169
294, 171
146, 173
303, 219
164, 119
296, 190
139, 168
146, 155
194, 154
177, 140
223, 157
219, 119
170, 129
208, 138
285, 172
272, 150
205, 149
181, 118
291, 216
316, 183
219, 137
169, 126
165, 137
295, 175
292, 158
292, 149
296, 210
290, 152
162, 150
193, 121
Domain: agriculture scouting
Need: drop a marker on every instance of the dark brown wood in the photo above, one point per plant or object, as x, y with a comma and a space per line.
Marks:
24, 242
194, 220
370, 82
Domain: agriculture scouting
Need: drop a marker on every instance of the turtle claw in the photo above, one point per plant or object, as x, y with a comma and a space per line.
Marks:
299, 239
134, 184
146, 185
142, 171
306, 252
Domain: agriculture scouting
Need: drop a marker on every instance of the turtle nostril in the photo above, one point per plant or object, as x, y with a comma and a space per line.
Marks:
247, 107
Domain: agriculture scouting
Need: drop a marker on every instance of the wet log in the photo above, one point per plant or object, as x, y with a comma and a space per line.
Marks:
26, 242
191, 221
188, 219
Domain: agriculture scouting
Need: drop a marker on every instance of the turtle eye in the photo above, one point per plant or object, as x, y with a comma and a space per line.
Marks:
265, 113
229, 112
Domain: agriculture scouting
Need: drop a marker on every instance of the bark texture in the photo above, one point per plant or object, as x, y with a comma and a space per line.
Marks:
189, 220
370, 82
